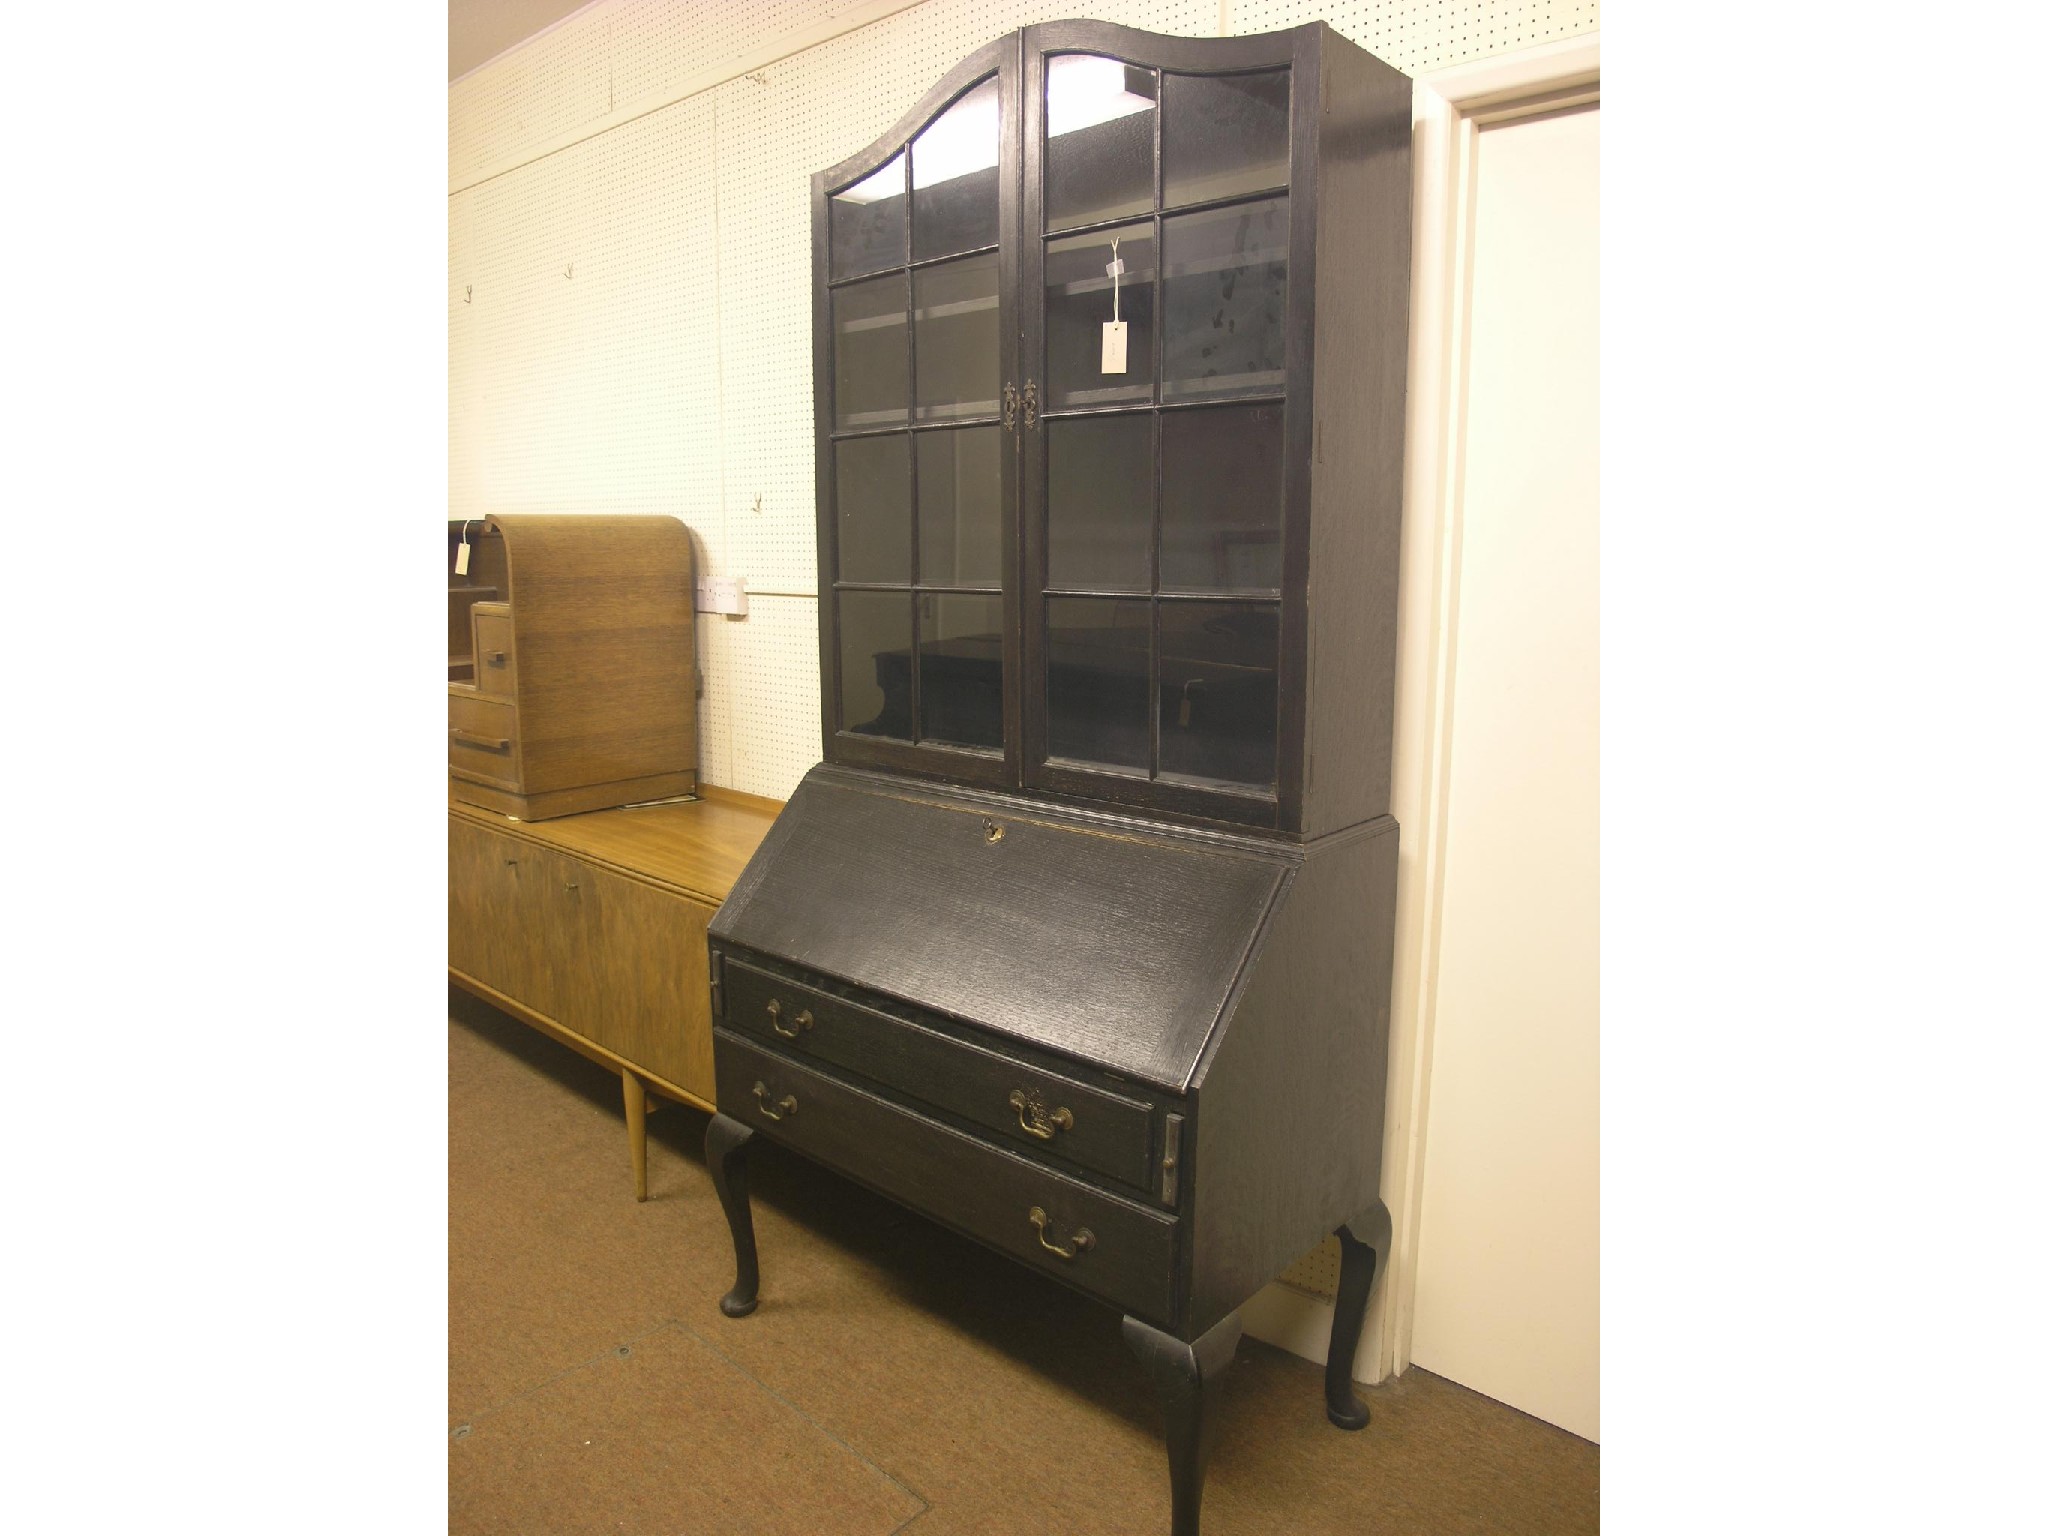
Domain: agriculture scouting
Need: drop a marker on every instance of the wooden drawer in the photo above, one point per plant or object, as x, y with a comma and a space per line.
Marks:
483, 738
1024, 1104
495, 664
1126, 1257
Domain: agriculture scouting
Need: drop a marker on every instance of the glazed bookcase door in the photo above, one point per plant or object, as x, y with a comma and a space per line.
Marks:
915, 338
1164, 503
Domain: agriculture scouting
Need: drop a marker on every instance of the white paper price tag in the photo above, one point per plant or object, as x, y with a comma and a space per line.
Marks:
462, 559
1116, 337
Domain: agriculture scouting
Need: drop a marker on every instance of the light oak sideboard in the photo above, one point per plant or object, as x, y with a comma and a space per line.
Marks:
591, 928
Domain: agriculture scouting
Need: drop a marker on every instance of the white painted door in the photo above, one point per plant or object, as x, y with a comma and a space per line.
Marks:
1507, 1290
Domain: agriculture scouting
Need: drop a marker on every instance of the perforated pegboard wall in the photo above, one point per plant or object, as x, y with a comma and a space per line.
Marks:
1420, 35
629, 316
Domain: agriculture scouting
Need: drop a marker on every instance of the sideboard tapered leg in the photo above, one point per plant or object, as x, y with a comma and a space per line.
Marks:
725, 1151
1182, 1374
1364, 1243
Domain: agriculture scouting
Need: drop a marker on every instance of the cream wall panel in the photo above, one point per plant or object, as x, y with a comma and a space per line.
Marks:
593, 329
1419, 35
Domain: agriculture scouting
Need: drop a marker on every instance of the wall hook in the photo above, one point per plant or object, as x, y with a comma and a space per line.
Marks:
569, 270
757, 506
467, 290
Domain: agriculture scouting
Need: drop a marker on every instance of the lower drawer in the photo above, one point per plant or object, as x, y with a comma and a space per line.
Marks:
1095, 1242
483, 739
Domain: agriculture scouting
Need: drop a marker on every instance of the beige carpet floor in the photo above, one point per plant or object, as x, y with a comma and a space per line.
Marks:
895, 1378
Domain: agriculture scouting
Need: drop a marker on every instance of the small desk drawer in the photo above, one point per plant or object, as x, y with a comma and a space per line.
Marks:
1025, 1105
495, 665
1113, 1249
483, 738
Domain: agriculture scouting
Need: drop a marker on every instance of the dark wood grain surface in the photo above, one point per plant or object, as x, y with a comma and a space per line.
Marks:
978, 1189
1108, 1133
1115, 947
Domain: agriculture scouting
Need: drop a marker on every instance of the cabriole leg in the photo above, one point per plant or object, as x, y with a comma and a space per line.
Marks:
725, 1151
1364, 1243
1183, 1374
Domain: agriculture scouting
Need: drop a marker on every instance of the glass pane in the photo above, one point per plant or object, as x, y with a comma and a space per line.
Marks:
867, 224
960, 507
1226, 301
1079, 297
1219, 699
1219, 515
872, 496
959, 338
1098, 139
1098, 514
1097, 674
953, 177
1224, 135
870, 363
874, 663
960, 657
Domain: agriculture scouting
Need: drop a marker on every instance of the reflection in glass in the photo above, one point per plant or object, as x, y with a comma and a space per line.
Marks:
960, 669
867, 224
872, 501
1223, 135
1226, 301
870, 362
1220, 501
1098, 139
953, 177
1097, 677
960, 507
959, 338
1078, 299
874, 663
1219, 697
1098, 530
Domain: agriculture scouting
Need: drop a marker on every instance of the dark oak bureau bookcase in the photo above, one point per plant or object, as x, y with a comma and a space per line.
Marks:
1080, 939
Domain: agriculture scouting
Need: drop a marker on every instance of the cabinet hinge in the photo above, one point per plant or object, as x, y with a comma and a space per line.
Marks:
1169, 1162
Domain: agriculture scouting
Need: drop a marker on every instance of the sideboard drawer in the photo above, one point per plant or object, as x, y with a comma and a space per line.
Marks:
495, 665
483, 739
1024, 1104
1113, 1249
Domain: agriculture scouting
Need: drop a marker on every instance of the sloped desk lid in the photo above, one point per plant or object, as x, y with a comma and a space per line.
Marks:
1091, 939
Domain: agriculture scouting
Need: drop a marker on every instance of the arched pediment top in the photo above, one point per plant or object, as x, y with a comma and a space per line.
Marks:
1193, 55
959, 80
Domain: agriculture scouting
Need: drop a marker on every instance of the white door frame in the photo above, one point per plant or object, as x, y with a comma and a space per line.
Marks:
1451, 106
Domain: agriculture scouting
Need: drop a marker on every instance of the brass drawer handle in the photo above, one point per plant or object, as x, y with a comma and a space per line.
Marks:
786, 1104
488, 743
1034, 1119
1082, 1239
798, 1025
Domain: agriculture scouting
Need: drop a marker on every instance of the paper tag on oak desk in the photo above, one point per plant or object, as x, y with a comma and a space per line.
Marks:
1116, 335
462, 559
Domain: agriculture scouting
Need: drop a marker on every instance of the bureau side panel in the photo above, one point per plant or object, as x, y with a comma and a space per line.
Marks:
1291, 1101
1361, 396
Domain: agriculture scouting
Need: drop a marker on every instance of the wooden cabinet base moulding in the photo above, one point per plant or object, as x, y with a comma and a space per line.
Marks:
591, 928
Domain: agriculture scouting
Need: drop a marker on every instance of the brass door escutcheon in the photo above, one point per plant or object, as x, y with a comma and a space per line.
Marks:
1082, 1239
798, 1025
786, 1104
1034, 1119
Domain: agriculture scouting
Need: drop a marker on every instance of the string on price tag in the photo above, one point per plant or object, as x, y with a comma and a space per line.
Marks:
1115, 333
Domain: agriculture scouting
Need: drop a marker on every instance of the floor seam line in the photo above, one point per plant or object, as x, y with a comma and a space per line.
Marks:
568, 1370
851, 1450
